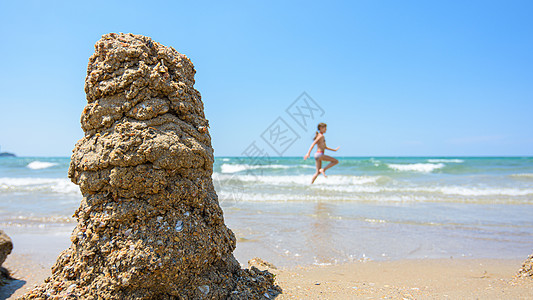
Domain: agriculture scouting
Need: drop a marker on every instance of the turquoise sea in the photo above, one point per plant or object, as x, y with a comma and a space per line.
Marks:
375, 208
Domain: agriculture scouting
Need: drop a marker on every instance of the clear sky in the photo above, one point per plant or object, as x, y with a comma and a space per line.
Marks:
394, 78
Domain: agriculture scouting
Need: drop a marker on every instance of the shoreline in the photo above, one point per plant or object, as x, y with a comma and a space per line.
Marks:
365, 277
398, 279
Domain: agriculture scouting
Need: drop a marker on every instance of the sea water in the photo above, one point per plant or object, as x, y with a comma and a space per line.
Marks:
367, 208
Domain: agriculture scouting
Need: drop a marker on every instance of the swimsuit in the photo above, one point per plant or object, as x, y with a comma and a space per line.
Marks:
319, 154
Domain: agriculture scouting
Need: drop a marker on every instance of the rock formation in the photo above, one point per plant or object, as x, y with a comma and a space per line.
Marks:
149, 225
6, 245
526, 271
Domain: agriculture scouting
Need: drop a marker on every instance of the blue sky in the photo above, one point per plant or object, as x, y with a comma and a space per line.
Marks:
394, 78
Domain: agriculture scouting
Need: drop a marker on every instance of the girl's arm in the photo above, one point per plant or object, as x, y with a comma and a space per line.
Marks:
332, 149
311, 148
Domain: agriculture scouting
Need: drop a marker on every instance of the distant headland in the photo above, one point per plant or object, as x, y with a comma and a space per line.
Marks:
7, 154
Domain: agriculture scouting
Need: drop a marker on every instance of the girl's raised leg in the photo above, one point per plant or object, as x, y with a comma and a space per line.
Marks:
333, 161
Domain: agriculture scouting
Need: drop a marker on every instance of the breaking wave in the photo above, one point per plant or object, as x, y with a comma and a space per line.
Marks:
37, 165
419, 167
234, 168
444, 160
32, 185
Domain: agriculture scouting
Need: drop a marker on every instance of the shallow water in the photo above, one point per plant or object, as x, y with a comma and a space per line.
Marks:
328, 232
367, 208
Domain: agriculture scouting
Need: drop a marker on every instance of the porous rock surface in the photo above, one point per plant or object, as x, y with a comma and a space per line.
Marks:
6, 246
526, 271
149, 225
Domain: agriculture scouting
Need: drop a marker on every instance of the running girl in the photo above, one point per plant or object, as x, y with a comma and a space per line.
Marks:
320, 142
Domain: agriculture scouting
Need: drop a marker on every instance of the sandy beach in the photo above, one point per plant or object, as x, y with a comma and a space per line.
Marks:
407, 279
403, 279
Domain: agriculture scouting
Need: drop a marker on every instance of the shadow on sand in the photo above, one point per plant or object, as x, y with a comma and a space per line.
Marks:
10, 288
11, 285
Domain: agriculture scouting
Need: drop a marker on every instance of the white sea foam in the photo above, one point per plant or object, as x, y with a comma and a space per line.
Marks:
523, 175
37, 165
419, 167
231, 168
322, 264
21, 219
472, 191
433, 191
438, 160
375, 220
300, 179
365, 189
234, 168
246, 196
54, 185
360, 189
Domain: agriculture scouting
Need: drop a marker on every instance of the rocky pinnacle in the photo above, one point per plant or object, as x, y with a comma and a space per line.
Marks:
149, 224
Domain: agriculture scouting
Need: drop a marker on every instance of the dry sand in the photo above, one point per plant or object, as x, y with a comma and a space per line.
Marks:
408, 279
405, 279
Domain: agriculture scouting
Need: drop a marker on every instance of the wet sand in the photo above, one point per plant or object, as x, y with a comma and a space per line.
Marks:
404, 279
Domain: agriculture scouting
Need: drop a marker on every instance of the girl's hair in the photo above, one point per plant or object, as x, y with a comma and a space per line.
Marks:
320, 125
